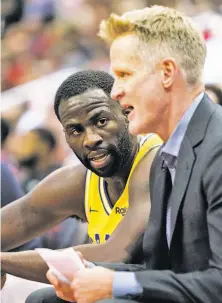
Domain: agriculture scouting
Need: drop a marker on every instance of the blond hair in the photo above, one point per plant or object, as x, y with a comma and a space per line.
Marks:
166, 32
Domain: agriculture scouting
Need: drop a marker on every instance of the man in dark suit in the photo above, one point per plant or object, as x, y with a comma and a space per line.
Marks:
157, 56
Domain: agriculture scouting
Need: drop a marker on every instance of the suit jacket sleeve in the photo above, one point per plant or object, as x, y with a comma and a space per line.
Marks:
200, 286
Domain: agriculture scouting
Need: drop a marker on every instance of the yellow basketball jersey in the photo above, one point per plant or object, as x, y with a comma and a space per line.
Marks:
103, 218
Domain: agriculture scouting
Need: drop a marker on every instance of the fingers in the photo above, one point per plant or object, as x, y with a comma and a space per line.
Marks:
85, 263
63, 290
52, 278
80, 255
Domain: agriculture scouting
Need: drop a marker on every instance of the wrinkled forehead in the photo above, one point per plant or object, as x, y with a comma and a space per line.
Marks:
84, 104
92, 96
91, 100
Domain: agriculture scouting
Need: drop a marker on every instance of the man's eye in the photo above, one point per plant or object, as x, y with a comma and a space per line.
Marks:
102, 122
123, 74
74, 131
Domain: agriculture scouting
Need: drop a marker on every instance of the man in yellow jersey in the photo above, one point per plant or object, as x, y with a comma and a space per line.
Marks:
103, 190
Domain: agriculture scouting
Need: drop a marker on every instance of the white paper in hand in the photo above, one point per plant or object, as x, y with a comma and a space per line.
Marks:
63, 263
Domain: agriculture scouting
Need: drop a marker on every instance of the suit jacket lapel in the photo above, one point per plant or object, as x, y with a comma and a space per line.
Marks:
194, 135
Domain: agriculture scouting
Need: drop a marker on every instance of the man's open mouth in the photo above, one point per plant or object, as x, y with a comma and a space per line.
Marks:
99, 159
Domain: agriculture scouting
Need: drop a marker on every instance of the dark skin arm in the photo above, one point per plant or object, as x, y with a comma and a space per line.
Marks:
29, 265
57, 197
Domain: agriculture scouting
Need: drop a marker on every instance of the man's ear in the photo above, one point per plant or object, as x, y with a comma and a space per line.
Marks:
168, 69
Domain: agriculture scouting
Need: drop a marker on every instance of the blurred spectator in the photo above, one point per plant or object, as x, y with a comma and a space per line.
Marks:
10, 189
11, 12
39, 10
5, 130
35, 155
29, 120
33, 47
215, 93
14, 113
5, 159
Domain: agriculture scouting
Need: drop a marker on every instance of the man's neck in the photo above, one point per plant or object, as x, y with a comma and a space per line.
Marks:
117, 183
180, 101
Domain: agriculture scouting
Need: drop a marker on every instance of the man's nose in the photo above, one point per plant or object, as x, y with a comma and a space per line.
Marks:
92, 139
117, 92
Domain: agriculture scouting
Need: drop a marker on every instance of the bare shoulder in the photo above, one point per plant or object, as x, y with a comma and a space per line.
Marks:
64, 189
67, 177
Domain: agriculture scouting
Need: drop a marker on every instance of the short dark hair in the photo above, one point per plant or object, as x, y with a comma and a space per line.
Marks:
46, 135
81, 82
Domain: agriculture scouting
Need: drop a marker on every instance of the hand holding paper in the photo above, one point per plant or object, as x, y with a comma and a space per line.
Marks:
63, 263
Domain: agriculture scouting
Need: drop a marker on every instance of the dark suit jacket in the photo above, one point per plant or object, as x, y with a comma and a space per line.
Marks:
191, 270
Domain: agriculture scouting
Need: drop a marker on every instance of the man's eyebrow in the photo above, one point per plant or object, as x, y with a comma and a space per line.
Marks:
99, 113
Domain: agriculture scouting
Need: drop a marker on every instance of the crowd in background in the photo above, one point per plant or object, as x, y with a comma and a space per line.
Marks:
51, 35
40, 37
